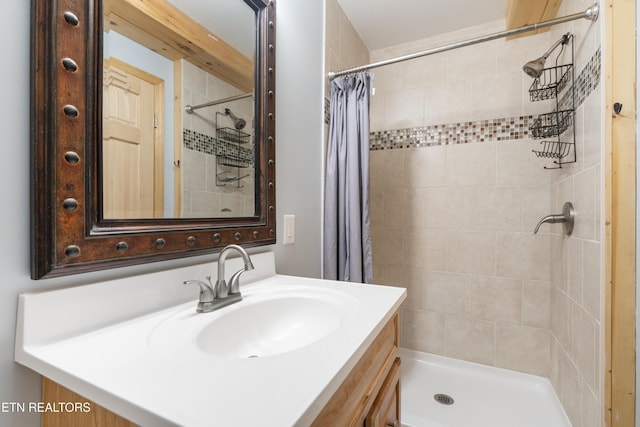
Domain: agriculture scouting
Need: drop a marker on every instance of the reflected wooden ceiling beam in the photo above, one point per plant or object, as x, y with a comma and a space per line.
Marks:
526, 12
161, 27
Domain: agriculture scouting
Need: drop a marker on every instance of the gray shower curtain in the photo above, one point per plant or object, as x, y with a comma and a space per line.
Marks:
347, 235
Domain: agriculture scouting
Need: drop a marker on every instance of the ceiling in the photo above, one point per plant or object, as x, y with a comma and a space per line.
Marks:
232, 21
384, 23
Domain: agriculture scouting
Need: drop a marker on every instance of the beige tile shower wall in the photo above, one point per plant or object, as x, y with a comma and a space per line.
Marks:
201, 196
343, 46
454, 223
479, 82
577, 341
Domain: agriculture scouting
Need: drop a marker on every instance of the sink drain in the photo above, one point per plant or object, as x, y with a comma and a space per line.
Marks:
443, 399
252, 356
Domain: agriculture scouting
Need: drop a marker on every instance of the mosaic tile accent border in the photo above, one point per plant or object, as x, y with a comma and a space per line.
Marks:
586, 82
197, 141
589, 78
455, 133
502, 129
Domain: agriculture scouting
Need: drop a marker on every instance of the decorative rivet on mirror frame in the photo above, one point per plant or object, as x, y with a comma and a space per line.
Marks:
70, 111
270, 70
71, 157
237, 236
272, 232
271, 47
72, 251
70, 65
270, 94
271, 209
270, 139
271, 162
271, 116
271, 185
217, 237
160, 243
70, 204
191, 240
256, 234
122, 247
71, 18
270, 24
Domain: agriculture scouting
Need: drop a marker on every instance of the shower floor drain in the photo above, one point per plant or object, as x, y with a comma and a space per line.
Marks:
444, 399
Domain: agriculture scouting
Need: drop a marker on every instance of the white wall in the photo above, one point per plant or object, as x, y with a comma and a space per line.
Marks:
299, 153
299, 138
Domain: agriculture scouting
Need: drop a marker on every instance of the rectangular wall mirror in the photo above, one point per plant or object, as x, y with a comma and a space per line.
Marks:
153, 130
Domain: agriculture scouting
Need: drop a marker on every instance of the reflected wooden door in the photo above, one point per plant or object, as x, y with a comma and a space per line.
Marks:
132, 149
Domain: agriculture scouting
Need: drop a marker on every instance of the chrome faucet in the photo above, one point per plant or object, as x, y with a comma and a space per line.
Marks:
220, 289
213, 297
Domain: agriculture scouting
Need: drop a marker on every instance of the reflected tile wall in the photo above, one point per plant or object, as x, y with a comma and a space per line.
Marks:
201, 197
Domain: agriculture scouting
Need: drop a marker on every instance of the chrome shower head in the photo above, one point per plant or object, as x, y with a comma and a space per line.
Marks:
534, 68
238, 123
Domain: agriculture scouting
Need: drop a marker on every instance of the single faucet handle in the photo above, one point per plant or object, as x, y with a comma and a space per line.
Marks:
206, 293
234, 282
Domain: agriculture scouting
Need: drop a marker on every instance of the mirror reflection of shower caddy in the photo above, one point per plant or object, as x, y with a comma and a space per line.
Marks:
232, 159
556, 82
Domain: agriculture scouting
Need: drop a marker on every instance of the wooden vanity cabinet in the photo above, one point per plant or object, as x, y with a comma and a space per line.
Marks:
386, 408
97, 416
369, 396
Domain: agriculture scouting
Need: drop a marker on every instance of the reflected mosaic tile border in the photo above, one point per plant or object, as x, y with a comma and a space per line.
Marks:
197, 141
502, 129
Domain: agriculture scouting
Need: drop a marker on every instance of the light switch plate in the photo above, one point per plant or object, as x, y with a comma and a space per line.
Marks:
289, 229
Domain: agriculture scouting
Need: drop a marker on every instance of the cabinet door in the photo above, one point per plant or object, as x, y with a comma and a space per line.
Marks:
89, 415
354, 399
385, 411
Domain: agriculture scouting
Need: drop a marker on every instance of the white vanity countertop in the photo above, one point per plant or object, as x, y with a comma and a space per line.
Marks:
109, 356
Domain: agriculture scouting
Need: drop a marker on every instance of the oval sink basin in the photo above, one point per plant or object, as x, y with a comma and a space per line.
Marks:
270, 326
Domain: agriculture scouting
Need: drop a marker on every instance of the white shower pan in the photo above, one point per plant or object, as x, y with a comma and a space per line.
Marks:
482, 396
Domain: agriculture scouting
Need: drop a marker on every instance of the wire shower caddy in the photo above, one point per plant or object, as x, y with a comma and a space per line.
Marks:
551, 84
230, 156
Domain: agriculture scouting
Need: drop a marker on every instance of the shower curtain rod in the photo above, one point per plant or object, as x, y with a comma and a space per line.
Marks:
189, 109
590, 14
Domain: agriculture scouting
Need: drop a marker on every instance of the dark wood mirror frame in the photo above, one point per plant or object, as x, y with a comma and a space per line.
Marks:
68, 234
